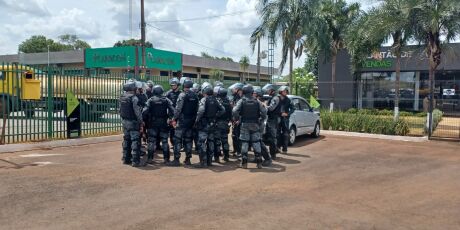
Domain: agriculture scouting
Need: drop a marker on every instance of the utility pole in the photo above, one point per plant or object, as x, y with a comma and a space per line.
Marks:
143, 33
131, 19
258, 61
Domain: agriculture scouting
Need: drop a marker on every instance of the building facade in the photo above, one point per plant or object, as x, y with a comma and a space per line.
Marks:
190, 65
373, 84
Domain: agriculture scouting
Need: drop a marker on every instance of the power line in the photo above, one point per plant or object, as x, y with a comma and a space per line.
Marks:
203, 18
188, 40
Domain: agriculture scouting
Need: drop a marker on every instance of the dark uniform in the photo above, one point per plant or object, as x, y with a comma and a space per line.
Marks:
156, 114
264, 151
185, 115
173, 95
208, 112
273, 112
222, 125
250, 113
286, 106
130, 113
236, 127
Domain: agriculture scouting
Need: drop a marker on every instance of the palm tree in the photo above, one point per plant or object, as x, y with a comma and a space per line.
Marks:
438, 21
394, 20
328, 30
285, 20
244, 65
216, 74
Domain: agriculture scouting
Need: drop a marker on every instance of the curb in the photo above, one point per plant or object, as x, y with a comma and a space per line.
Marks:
11, 148
375, 136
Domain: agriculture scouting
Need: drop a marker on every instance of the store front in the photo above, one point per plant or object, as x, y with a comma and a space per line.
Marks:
374, 85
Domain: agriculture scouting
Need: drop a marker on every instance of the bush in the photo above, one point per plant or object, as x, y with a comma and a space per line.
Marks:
364, 121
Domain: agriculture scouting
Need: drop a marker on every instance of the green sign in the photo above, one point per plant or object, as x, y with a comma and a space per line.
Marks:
161, 59
124, 57
377, 64
72, 102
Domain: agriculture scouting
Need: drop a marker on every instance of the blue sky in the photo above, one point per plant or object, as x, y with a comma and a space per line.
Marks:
103, 22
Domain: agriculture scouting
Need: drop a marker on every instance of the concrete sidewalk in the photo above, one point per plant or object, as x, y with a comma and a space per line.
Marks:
10, 148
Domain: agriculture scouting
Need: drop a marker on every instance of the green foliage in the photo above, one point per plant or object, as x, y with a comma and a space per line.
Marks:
311, 63
304, 83
206, 55
216, 74
40, 44
356, 121
244, 64
132, 42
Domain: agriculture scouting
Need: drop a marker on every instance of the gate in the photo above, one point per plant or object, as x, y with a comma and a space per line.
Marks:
447, 100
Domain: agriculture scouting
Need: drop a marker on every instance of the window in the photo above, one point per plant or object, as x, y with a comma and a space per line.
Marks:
296, 103
304, 106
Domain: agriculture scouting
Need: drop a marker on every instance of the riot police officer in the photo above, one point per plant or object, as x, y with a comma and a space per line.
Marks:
287, 108
149, 89
173, 95
250, 113
131, 115
185, 115
273, 112
264, 151
156, 114
208, 112
196, 88
237, 92
222, 124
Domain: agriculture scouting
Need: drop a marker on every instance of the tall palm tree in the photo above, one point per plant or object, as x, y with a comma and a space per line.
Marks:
285, 20
438, 21
328, 29
244, 65
394, 20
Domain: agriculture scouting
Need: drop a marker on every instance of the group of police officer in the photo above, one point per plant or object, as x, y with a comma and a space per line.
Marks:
203, 115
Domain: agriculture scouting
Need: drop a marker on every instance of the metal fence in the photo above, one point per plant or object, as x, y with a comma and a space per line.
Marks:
378, 96
33, 100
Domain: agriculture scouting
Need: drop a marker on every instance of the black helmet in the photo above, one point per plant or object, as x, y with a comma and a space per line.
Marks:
236, 86
248, 89
183, 79
130, 86
174, 81
207, 91
157, 90
219, 83
188, 84
206, 84
196, 87
150, 84
258, 91
267, 88
216, 90
283, 88
222, 92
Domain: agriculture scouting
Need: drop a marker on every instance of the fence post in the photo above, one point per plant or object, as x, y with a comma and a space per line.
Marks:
50, 103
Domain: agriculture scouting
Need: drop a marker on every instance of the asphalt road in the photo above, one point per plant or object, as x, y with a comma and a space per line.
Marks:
327, 183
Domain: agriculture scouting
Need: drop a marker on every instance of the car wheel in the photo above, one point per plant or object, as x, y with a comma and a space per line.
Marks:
292, 135
317, 130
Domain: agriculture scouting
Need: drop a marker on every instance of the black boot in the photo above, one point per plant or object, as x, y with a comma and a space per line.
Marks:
259, 163
226, 156
149, 160
187, 161
216, 159
201, 165
166, 161
209, 161
244, 163
267, 163
174, 163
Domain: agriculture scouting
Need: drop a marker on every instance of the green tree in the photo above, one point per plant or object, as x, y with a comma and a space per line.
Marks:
437, 22
206, 55
311, 63
304, 83
393, 21
244, 65
285, 20
132, 42
329, 28
71, 41
216, 74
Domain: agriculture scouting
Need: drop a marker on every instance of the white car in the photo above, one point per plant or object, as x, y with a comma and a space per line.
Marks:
305, 120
